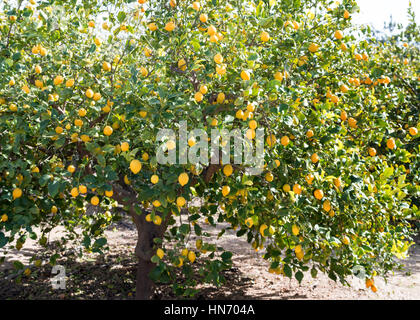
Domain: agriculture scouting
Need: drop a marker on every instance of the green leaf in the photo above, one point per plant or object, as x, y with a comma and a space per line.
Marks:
226, 256
299, 276
287, 271
53, 188
121, 16
100, 242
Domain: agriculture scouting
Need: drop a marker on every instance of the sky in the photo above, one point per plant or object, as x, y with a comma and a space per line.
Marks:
375, 12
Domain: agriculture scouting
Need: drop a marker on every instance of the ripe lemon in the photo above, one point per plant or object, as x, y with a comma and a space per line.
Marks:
94, 200
346, 14
227, 170
183, 179
314, 158
309, 134
269, 177
125, 146
82, 189
74, 192
338, 34
17, 193
218, 58
108, 131
214, 122
203, 17
344, 88
250, 107
135, 166
145, 156
345, 240
170, 26
271, 140
58, 80
286, 188
211, 30
239, 114
390, 143
295, 230
89, 93
413, 131
198, 96
97, 96
372, 152
191, 256
152, 26
352, 122
154, 179
106, 66
85, 138
4, 218
297, 188
250, 134
220, 97
109, 193
284, 140
326, 205
82, 112
245, 76
337, 182
196, 5
180, 201
157, 220
313, 47
144, 71
203, 89
253, 124
225, 190
319, 194
265, 36
160, 253
278, 76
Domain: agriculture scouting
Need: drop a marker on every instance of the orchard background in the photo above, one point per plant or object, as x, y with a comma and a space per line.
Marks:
86, 86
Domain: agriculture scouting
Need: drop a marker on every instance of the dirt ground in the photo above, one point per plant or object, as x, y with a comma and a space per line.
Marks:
113, 276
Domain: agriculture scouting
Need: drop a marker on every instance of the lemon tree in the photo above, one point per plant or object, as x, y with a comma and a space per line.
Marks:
87, 86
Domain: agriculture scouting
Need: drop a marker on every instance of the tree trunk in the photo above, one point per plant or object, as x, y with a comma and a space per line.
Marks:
144, 285
147, 232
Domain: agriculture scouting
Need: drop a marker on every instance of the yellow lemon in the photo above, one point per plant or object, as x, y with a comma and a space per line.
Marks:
183, 179
135, 166
94, 200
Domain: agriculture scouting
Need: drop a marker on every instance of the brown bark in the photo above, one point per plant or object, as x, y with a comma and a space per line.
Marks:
147, 232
